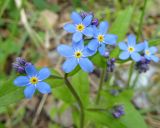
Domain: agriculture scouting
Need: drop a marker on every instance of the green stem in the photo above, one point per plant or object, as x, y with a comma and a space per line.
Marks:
56, 77
74, 93
100, 85
130, 74
138, 35
141, 20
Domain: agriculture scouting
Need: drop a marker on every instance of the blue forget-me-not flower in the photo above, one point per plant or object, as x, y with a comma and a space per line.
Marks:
33, 81
100, 38
76, 55
79, 27
149, 52
131, 49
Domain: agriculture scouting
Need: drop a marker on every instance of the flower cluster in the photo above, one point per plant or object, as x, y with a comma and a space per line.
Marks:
133, 50
84, 25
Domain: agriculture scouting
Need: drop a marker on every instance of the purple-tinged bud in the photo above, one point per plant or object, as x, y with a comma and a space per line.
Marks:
118, 111
114, 92
95, 22
143, 65
106, 54
110, 65
20, 65
84, 14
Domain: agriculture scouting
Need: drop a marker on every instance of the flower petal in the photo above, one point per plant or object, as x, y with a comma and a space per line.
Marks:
21, 81
76, 17
69, 64
123, 46
43, 87
29, 91
86, 65
78, 45
87, 20
146, 44
124, 55
103, 27
65, 50
153, 50
93, 45
136, 56
110, 39
139, 47
88, 31
69, 28
31, 70
131, 40
77, 37
87, 52
154, 58
102, 49
44, 73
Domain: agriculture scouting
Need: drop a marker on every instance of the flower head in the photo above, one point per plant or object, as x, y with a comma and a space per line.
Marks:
111, 65
76, 55
100, 38
131, 49
118, 111
142, 65
33, 81
20, 65
149, 52
79, 26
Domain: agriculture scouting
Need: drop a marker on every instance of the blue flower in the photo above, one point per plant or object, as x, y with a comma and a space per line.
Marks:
33, 81
77, 54
100, 38
79, 26
150, 52
131, 49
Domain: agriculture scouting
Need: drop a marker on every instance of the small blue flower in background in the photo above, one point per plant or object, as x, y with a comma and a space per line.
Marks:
131, 49
33, 81
150, 52
77, 54
100, 38
79, 27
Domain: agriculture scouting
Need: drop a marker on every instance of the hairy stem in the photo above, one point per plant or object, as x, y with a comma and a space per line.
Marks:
100, 85
74, 93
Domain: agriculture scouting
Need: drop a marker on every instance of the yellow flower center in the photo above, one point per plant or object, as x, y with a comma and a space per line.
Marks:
78, 54
131, 49
33, 80
80, 27
100, 38
147, 52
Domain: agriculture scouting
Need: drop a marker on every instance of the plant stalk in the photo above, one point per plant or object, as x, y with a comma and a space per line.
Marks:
74, 93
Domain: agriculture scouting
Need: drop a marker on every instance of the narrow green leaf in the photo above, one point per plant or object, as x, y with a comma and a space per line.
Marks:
81, 84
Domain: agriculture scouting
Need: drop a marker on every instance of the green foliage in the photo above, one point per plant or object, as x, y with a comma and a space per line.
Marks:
81, 84
120, 27
131, 119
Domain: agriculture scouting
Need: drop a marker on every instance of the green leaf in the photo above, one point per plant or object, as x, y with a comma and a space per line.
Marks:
122, 22
99, 60
10, 94
81, 85
132, 118
104, 118
120, 27
154, 42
